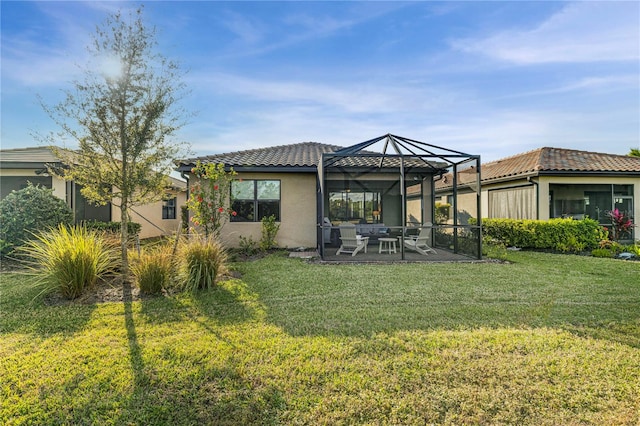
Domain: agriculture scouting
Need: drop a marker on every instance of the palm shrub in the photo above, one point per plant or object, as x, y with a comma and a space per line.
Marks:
201, 260
152, 268
70, 259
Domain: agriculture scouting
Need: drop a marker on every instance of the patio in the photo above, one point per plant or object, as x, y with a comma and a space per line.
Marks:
385, 188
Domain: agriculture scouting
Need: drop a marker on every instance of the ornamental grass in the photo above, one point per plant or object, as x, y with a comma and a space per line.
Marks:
152, 268
70, 259
201, 260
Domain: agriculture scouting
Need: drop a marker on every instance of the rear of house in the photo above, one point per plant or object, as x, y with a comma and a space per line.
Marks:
553, 182
23, 165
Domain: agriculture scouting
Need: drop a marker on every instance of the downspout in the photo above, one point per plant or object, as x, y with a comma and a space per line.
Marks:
186, 178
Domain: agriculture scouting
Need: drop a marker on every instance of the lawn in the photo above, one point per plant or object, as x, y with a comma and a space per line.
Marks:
543, 340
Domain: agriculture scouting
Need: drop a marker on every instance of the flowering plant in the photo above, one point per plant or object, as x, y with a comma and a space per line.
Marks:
620, 224
209, 197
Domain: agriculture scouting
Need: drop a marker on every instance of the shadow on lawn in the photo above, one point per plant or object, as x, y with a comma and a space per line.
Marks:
221, 396
365, 315
25, 309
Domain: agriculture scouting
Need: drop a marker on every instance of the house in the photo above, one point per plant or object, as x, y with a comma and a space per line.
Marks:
383, 186
555, 182
22, 165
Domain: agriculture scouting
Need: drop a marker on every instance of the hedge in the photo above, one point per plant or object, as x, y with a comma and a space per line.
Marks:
113, 227
565, 235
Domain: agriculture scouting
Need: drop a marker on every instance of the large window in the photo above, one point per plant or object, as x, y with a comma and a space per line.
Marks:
253, 200
593, 201
169, 208
355, 206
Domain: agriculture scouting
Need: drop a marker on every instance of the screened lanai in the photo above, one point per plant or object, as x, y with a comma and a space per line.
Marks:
379, 201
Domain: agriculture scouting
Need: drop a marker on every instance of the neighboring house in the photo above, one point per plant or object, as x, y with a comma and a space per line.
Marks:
19, 166
554, 182
383, 186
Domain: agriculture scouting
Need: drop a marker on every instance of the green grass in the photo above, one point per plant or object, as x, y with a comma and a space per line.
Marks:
545, 340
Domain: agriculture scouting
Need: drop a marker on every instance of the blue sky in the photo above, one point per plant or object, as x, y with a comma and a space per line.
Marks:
488, 78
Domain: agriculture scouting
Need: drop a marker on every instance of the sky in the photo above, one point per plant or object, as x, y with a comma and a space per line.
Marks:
493, 79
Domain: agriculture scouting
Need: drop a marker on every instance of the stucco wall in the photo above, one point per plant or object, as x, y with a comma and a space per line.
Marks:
298, 206
57, 184
149, 216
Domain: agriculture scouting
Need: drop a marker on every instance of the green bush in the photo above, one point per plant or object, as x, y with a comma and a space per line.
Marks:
201, 260
602, 252
270, 229
566, 235
133, 228
494, 249
27, 211
248, 246
152, 268
70, 259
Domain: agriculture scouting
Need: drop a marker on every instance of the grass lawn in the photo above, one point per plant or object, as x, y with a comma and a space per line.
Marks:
544, 340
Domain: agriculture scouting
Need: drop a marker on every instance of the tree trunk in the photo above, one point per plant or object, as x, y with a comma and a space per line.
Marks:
124, 238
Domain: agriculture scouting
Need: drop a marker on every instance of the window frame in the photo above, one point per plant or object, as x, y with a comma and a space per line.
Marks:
255, 202
166, 208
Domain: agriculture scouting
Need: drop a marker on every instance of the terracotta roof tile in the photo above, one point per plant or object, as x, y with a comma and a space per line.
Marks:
558, 160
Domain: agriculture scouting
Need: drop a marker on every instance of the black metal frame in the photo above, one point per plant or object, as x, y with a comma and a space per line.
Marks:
399, 155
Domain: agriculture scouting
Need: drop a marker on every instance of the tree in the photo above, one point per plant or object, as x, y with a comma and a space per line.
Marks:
635, 152
122, 114
209, 199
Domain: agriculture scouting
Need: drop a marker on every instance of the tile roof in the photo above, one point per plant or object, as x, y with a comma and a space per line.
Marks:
559, 160
28, 155
305, 154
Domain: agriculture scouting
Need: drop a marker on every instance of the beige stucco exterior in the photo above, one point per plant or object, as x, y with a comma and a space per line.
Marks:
58, 185
538, 188
149, 216
298, 207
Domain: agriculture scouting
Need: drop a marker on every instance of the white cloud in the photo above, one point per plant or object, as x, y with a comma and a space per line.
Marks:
344, 97
581, 32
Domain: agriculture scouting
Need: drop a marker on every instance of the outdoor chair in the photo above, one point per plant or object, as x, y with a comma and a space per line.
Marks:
350, 241
420, 242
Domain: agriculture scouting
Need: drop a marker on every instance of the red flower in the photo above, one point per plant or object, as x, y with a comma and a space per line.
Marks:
234, 214
215, 187
221, 209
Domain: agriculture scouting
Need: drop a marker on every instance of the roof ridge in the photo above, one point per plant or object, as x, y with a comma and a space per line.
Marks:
269, 148
510, 157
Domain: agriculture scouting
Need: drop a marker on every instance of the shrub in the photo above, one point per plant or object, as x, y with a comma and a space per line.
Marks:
442, 212
248, 246
30, 210
133, 228
202, 259
152, 268
566, 235
633, 248
494, 249
270, 229
602, 252
70, 259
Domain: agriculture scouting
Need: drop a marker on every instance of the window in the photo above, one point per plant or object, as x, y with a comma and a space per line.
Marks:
169, 208
364, 207
589, 200
253, 200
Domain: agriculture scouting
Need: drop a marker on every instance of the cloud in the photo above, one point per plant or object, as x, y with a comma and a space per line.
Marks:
352, 97
580, 32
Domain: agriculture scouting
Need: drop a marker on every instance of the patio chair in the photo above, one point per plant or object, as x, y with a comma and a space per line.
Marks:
350, 241
420, 242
